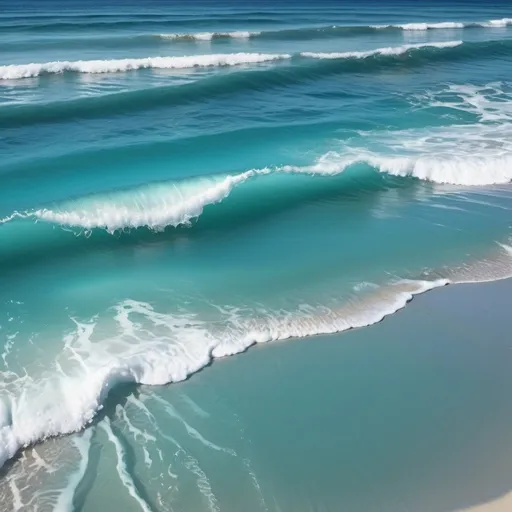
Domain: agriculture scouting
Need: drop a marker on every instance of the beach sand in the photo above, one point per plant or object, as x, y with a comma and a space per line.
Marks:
411, 414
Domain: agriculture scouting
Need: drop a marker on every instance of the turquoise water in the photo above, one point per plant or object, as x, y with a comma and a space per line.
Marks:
182, 181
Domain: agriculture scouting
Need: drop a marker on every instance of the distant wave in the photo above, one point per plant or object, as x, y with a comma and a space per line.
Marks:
17, 71
176, 25
308, 33
208, 36
397, 50
270, 77
499, 23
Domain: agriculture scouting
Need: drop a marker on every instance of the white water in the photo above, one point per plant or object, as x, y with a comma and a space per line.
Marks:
208, 36
17, 71
178, 203
394, 50
154, 348
421, 26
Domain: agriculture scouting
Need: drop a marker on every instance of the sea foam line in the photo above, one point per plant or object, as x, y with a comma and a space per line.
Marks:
393, 50
62, 404
208, 36
17, 71
334, 29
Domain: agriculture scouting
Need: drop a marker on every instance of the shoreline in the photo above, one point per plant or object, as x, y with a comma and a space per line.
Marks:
393, 382
417, 401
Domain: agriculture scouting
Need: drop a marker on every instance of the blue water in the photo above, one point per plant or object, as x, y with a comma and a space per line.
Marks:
180, 181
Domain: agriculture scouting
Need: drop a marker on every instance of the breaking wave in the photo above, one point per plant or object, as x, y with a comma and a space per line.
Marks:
308, 33
160, 205
390, 51
208, 36
499, 23
17, 71
432, 50
152, 348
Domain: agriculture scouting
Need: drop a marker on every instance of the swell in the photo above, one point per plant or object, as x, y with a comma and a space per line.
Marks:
104, 22
327, 32
88, 24
144, 213
302, 69
18, 71
284, 34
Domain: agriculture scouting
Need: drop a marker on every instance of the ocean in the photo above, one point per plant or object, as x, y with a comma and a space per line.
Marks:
180, 181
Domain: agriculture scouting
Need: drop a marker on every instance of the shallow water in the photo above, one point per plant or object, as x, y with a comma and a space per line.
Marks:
181, 182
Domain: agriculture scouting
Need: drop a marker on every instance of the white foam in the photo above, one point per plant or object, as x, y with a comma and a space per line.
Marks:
152, 348
454, 170
394, 50
503, 22
470, 155
17, 71
447, 25
208, 36
430, 26
155, 206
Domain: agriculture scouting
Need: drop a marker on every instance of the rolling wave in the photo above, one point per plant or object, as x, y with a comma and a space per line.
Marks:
149, 39
158, 206
309, 33
310, 68
391, 51
103, 23
208, 36
17, 71
499, 23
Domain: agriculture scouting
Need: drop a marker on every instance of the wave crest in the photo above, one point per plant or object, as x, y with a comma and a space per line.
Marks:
393, 50
208, 36
153, 348
17, 71
422, 26
160, 205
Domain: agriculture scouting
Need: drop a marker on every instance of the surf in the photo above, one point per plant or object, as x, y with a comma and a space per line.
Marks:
174, 204
18, 71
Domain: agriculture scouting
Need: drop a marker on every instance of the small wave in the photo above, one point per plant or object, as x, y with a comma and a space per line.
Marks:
17, 71
208, 36
335, 30
503, 22
396, 50
154, 206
